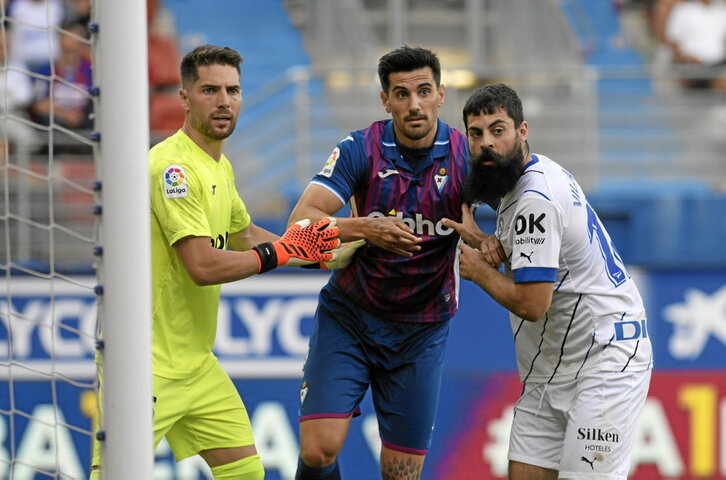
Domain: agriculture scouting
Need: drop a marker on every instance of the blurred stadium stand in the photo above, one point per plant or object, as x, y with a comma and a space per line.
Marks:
646, 151
284, 107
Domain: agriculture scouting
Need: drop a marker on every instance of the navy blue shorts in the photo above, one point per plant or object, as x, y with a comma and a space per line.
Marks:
351, 350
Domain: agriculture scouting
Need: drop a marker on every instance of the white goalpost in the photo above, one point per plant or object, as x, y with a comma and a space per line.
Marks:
125, 310
74, 245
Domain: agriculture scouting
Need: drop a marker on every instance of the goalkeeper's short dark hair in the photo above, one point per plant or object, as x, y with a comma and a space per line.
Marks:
205, 55
407, 59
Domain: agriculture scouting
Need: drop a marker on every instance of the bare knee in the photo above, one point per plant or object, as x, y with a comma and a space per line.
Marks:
318, 456
321, 440
319, 449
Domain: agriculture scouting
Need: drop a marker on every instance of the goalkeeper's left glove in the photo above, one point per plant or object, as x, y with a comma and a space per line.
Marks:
302, 243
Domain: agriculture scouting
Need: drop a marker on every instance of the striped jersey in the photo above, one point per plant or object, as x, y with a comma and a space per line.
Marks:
597, 320
191, 195
367, 169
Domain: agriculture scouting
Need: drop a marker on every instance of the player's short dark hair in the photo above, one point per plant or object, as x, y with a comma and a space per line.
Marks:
490, 98
407, 59
205, 55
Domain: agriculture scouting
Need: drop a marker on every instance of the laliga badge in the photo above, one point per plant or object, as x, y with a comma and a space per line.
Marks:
175, 182
329, 166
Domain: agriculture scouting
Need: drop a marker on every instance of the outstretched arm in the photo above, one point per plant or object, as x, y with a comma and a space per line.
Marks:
389, 233
249, 237
210, 266
302, 243
529, 301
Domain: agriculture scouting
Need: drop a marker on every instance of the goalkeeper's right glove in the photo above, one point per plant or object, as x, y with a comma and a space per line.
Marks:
342, 256
302, 243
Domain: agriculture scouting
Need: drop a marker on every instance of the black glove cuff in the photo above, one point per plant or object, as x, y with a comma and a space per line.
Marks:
268, 256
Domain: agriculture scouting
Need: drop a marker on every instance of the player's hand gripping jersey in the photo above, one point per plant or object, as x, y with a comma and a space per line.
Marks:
596, 319
367, 168
302, 244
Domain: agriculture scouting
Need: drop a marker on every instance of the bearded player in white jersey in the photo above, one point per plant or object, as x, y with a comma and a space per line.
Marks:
579, 324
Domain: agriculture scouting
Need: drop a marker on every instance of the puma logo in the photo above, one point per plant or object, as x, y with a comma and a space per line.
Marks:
591, 462
528, 257
388, 173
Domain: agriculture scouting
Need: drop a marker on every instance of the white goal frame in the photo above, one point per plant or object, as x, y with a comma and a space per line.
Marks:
124, 271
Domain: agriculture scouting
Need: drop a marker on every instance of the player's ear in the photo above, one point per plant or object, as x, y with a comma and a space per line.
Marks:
442, 94
384, 101
523, 130
184, 98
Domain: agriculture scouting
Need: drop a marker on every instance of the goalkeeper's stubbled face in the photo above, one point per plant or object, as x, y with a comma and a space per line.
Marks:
214, 101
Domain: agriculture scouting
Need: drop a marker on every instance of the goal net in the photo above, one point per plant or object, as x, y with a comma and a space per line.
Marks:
74, 258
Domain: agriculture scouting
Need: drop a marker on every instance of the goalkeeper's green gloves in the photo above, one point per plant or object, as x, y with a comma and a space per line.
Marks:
342, 256
301, 244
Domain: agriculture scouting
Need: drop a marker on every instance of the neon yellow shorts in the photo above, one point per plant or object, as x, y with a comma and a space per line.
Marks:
198, 413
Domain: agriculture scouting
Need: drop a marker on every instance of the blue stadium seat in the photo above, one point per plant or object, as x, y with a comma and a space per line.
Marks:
272, 47
260, 30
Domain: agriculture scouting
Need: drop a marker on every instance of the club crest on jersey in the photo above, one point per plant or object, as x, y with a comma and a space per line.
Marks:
303, 392
441, 179
175, 182
329, 166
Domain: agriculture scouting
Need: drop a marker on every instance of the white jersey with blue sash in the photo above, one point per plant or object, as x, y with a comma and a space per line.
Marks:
596, 321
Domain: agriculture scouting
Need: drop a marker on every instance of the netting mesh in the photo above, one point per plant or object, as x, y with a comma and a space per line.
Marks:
48, 231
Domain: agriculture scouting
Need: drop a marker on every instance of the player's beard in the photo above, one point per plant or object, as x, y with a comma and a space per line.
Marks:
204, 126
489, 183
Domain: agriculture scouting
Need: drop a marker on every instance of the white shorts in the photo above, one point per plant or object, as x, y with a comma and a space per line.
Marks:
583, 428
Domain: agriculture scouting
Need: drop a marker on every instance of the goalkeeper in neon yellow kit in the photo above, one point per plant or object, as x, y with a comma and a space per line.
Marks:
202, 236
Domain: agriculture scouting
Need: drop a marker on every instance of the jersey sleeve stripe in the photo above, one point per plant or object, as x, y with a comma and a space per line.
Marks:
328, 187
535, 274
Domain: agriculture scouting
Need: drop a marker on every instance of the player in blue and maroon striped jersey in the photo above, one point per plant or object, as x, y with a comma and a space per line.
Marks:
383, 320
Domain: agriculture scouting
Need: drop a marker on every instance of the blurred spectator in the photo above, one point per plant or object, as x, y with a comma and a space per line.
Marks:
78, 11
166, 114
67, 102
32, 30
635, 19
695, 32
15, 96
659, 18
